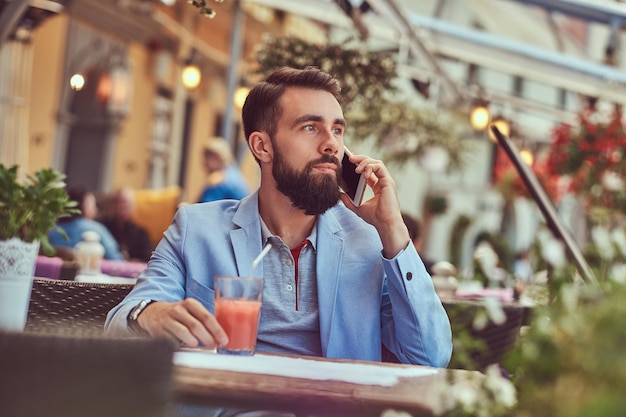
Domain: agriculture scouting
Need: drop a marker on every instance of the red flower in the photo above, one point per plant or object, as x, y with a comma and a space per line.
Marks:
586, 152
577, 161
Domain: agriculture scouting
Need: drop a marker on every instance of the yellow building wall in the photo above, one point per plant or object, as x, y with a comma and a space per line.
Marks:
201, 130
132, 152
47, 71
131, 165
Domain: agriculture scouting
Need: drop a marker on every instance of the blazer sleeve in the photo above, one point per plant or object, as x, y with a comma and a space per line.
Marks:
162, 280
415, 326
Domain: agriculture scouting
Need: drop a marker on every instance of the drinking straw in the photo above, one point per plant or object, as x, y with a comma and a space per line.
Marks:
264, 252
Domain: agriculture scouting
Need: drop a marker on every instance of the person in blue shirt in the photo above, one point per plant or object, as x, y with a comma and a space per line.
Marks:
75, 225
224, 180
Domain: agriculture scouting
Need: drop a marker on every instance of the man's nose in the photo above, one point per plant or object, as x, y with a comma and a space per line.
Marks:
330, 144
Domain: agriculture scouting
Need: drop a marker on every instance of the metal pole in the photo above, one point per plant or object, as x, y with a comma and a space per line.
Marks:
233, 71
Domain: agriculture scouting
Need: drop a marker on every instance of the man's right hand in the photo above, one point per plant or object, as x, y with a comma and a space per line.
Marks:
187, 322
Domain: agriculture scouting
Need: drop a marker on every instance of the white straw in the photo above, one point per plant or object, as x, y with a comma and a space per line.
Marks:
264, 252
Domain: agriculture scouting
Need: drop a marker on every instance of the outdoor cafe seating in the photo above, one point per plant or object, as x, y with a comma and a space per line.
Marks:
64, 359
64, 305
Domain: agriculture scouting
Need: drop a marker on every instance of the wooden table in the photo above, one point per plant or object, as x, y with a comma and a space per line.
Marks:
419, 395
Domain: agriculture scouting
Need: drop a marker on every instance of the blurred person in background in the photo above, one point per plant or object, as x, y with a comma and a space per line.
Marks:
75, 225
132, 239
224, 180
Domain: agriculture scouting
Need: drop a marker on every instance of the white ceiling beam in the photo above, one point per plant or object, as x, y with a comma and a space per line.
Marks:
480, 48
599, 11
547, 67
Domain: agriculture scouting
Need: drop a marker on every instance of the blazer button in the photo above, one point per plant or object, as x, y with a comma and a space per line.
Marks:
409, 276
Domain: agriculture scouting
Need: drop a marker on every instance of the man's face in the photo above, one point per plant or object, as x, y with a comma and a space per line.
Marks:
89, 206
308, 147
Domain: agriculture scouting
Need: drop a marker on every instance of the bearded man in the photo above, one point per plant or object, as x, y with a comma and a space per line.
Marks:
341, 281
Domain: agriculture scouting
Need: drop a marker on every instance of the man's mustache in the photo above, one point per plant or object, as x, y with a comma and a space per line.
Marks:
325, 159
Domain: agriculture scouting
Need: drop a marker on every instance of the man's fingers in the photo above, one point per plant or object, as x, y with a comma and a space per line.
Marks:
347, 201
207, 321
187, 322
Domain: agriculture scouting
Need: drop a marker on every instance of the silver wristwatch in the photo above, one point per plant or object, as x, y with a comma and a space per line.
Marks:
133, 325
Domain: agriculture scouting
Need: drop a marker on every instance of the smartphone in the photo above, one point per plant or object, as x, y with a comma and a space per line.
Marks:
352, 183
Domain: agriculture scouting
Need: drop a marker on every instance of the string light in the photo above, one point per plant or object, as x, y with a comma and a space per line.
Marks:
503, 126
527, 156
480, 117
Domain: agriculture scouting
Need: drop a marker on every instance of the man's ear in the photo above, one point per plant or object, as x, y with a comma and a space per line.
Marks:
261, 146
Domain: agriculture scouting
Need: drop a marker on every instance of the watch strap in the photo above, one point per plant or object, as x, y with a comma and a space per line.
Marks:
133, 316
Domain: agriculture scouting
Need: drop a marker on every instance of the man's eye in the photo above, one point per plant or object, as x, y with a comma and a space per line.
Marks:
338, 131
309, 128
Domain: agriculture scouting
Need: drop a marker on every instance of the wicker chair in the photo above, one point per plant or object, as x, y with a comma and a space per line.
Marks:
72, 307
63, 376
493, 341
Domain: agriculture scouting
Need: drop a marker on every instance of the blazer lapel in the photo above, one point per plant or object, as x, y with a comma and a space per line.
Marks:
328, 259
246, 238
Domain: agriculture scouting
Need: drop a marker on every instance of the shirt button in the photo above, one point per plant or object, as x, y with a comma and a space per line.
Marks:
409, 276
288, 262
289, 287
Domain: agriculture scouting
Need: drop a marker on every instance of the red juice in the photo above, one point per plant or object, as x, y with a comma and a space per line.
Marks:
240, 320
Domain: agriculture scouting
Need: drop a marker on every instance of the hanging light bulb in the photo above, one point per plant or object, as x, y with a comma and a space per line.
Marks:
480, 117
105, 86
77, 82
527, 156
240, 96
503, 126
191, 76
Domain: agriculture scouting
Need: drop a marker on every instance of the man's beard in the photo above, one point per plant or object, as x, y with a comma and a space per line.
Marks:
314, 194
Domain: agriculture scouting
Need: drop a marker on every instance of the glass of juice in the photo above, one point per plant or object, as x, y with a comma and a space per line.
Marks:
237, 310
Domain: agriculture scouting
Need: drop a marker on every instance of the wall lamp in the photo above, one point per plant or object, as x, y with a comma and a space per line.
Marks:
107, 68
191, 75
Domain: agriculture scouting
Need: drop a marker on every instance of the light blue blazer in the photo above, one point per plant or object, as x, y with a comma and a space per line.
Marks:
364, 299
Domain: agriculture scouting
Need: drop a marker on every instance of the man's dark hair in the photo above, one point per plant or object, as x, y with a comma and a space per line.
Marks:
261, 110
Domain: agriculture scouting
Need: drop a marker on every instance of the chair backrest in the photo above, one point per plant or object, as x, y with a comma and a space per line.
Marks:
72, 307
495, 340
155, 209
490, 344
62, 376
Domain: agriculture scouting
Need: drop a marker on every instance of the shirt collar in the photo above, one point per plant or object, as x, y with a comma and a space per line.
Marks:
266, 234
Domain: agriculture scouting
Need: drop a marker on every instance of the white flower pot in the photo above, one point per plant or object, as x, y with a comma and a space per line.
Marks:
17, 267
18, 258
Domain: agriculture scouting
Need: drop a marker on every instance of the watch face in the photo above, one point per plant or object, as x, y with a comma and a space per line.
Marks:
138, 309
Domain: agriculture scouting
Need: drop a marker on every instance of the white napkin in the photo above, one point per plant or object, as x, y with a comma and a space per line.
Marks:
357, 373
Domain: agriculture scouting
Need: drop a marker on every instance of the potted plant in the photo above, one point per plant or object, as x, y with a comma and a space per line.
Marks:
28, 211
